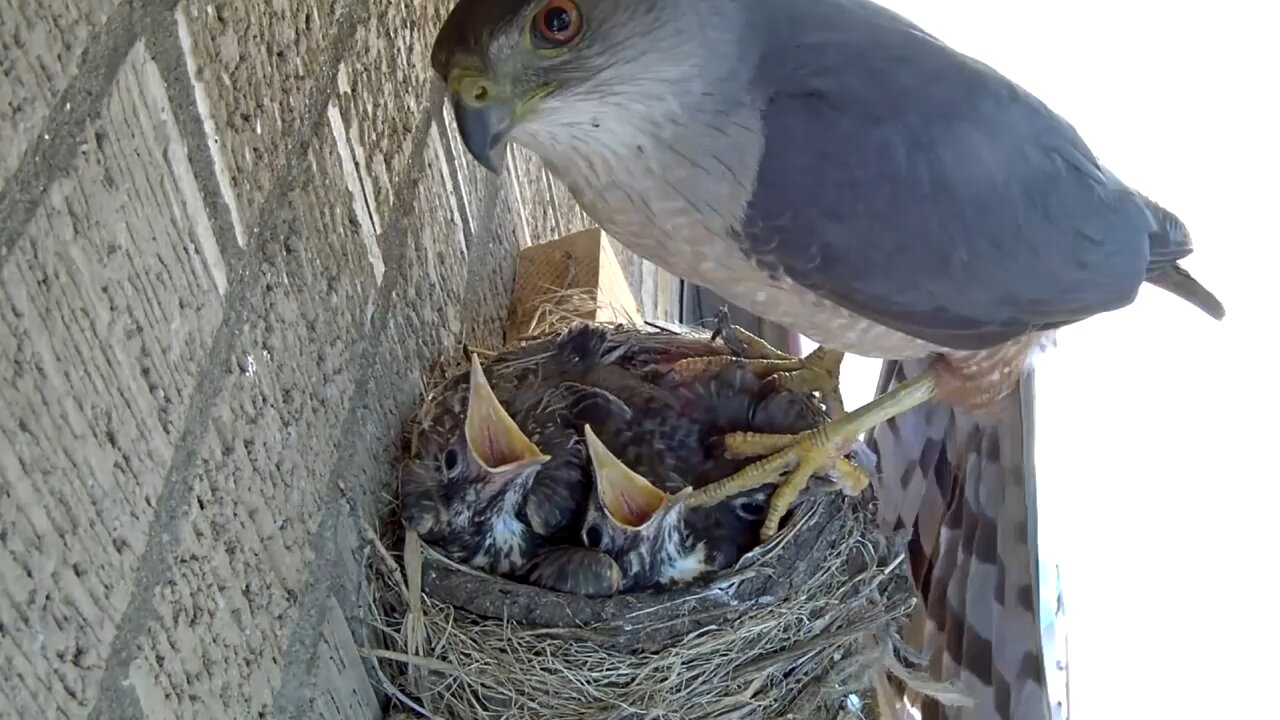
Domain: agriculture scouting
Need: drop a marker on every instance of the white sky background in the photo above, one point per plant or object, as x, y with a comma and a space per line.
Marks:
1155, 473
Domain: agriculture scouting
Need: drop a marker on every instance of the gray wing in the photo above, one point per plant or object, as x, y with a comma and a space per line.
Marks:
921, 189
965, 489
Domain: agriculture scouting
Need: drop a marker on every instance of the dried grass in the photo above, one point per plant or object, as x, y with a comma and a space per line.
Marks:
803, 627
557, 308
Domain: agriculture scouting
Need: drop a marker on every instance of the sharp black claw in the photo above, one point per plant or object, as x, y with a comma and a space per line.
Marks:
724, 332
864, 457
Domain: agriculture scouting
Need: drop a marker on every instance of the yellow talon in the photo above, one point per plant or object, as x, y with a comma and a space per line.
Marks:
850, 476
809, 458
819, 372
746, 344
801, 455
761, 368
740, 445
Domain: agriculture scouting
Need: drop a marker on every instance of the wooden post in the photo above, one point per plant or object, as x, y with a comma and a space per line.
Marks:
576, 275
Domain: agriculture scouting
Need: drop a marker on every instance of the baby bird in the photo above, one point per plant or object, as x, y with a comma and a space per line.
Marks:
501, 476
497, 471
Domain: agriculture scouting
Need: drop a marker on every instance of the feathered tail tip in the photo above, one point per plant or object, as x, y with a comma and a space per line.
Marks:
1169, 243
890, 705
891, 701
1177, 280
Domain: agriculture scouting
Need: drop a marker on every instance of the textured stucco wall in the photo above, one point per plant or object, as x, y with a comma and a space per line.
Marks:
231, 235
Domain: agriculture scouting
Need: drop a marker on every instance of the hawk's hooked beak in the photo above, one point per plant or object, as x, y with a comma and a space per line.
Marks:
629, 499
484, 132
484, 117
494, 439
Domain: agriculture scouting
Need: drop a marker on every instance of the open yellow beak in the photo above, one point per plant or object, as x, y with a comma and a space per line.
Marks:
494, 439
629, 499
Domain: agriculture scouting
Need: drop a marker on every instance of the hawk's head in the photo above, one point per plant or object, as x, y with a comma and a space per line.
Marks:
555, 75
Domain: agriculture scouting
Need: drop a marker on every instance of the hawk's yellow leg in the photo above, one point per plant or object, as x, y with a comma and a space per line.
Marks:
810, 451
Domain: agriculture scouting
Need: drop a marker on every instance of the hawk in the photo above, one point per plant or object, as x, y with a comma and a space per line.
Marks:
833, 167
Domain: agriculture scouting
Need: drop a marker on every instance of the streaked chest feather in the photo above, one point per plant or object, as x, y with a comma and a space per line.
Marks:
509, 535
679, 558
504, 544
682, 565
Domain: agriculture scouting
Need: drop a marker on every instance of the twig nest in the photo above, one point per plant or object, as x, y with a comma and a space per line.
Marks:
791, 631
796, 628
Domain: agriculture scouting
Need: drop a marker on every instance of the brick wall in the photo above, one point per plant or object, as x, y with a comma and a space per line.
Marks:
231, 235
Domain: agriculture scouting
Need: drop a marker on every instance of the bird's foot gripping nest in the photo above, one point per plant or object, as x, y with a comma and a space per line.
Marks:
820, 451
819, 371
802, 455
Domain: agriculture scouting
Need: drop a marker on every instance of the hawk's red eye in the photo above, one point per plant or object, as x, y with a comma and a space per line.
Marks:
556, 24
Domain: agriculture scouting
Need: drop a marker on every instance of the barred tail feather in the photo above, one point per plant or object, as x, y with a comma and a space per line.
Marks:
965, 488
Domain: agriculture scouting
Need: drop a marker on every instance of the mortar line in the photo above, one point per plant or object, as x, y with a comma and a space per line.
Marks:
166, 51
155, 565
300, 650
52, 154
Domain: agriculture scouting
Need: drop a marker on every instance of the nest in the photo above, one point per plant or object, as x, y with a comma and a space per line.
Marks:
804, 626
